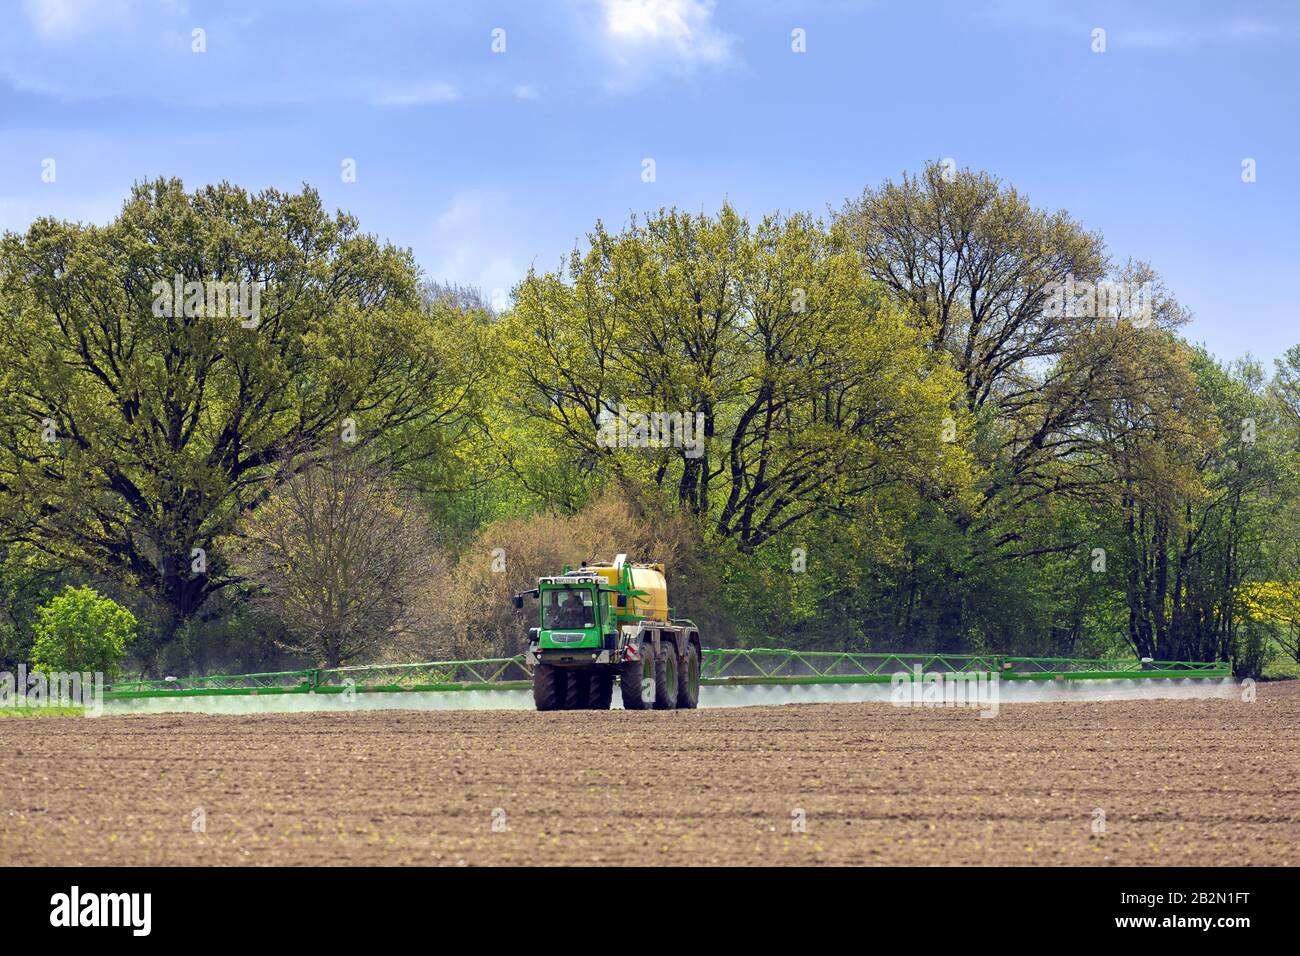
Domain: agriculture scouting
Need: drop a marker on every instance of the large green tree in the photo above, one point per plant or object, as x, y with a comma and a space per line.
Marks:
810, 390
985, 276
137, 427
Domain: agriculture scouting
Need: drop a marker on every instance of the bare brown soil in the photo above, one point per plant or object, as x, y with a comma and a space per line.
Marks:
1179, 782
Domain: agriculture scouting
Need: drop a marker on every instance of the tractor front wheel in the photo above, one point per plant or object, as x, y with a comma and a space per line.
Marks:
601, 694
550, 686
577, 694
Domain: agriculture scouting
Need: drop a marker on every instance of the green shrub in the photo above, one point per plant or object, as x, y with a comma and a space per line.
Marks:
81, 630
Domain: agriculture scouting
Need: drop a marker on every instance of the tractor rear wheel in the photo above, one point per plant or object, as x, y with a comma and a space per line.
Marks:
666, 677
549, 687
601, 693
633, 677
688, 679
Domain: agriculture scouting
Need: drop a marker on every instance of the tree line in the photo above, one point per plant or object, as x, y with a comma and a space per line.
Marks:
939, 419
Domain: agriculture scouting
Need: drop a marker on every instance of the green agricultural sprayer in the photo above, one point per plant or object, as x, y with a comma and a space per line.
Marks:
606, 625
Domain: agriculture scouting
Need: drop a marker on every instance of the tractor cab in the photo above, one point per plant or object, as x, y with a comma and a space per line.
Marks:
577, 610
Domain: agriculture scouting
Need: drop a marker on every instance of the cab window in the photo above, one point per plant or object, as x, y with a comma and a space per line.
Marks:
567, 607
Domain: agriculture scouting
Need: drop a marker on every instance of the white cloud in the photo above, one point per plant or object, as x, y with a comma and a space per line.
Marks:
1140, 29
418, 95
470, 240
1182, 37
682, 30
63, 18
526, 91
80, 50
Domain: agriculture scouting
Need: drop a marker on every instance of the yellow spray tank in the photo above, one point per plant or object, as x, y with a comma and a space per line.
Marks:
645, 585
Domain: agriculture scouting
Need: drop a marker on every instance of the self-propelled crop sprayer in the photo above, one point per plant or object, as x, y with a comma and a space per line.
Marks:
605, 621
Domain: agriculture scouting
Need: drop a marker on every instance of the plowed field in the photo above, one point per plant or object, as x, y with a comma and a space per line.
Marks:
1143, 782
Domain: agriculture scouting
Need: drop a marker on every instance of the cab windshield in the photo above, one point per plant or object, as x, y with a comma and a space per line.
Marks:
567, 607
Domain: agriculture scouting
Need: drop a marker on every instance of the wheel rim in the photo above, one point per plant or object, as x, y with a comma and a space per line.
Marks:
647, 675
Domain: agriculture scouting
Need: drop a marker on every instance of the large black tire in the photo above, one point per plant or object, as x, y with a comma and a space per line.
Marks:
635, 679
601, 693
578, 691
666, 677
549, 687
688, 679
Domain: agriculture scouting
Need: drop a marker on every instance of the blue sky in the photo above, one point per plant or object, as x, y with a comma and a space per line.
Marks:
484, 163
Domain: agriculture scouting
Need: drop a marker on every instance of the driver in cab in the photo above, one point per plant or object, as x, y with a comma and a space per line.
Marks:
569, 612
